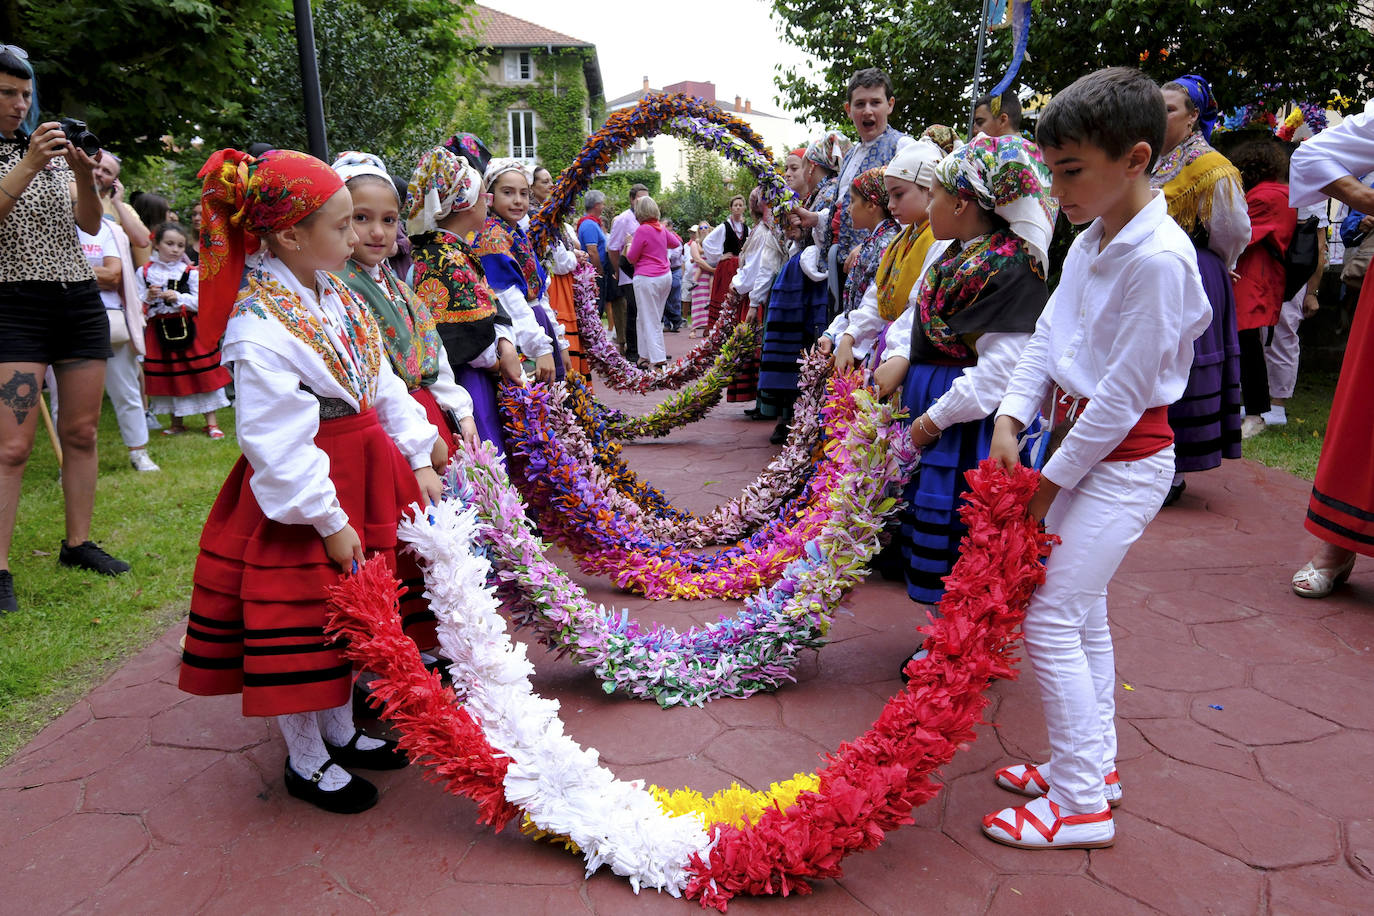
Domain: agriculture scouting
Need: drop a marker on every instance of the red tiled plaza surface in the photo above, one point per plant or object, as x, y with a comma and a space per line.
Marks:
1245, 722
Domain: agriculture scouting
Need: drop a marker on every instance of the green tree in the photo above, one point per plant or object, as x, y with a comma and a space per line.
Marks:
705, 195
1265, 50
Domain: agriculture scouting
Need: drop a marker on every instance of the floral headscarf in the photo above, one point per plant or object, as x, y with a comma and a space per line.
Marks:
1007, 176
870, 187
1200, 93
943, 137
351, 164
471, 148
828, 151
499, 167
242, 200
441, 184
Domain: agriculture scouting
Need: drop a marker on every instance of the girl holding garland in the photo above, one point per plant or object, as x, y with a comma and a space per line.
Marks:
445, 206
514, 273
181, 366
334, 451
975, 312
408, 327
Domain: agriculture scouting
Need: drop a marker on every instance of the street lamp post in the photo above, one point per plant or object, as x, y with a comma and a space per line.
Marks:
310, 81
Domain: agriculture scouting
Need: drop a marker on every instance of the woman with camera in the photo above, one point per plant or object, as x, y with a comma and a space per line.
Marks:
50, 314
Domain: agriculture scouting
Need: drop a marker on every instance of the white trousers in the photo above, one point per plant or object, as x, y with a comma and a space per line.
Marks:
651, 294
121, 384
1067, 637
1281, 356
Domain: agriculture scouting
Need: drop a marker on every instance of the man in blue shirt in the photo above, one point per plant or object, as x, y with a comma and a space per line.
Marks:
593, 239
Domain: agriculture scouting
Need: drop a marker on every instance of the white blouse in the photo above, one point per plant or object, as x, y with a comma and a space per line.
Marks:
1119, 329
277, 420
760, 262
158, 272
1346, 149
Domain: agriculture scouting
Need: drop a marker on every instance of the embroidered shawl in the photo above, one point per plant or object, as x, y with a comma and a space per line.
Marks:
1189, 174
900, 269
450, 283
407, 325
866, 266
958, 281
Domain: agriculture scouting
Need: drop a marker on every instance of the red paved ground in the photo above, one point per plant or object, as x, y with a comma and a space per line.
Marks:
1246, 731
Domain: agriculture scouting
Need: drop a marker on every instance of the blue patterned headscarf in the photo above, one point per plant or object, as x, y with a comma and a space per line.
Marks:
1200, 92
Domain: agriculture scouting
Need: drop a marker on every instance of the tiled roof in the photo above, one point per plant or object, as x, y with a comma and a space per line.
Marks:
495, 29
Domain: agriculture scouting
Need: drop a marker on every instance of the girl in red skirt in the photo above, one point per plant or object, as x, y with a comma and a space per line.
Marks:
408, 329
334, 451
181, 367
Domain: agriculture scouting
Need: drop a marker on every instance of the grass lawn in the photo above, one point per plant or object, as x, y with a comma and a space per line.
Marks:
1296, 446
74, 628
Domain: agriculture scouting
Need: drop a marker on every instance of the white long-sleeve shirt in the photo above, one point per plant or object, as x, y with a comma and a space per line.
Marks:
1228, 229
277, 420
863, 323
1119, 330
1346, 149
760, 262
979, 390
160, 273
528, 335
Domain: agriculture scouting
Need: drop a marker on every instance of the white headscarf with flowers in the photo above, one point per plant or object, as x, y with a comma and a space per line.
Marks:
1007, 176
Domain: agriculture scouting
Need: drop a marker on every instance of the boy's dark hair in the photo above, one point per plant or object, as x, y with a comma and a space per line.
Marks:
867, 79
634, 191
169, 226
1112, 109
1007, 104
1263, 159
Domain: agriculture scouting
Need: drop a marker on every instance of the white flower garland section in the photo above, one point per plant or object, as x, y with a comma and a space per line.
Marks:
560, 786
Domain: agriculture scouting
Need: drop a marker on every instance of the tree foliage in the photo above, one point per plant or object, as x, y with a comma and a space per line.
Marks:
705, 195
1263, 50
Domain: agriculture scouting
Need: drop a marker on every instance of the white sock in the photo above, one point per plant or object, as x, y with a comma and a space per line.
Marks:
307, 750
338, 729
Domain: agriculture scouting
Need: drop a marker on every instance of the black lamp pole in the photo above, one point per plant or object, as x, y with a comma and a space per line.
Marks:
310, 80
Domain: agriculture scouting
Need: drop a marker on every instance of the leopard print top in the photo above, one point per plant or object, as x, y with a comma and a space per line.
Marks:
38, 239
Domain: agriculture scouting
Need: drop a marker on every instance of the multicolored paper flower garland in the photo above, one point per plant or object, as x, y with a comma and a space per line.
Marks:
709, 126
574, 510
867, 788
737, 656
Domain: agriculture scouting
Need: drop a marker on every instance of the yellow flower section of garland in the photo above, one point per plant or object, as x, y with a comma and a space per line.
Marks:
735, 806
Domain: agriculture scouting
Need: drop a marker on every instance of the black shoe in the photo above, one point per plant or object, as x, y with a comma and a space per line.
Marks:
90, 556
350, 756
358, 795
920, 653
362, 709
1175, 492
8, 603
753, 413
780, 433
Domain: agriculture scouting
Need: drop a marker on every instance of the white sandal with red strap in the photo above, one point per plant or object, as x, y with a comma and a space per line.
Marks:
1052, 829
1026, 779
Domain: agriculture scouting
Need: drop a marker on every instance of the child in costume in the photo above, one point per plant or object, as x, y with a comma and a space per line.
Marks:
408, 329
750, 288
181, 365
974, 313
514, 273
903, 262
334, 451
445, 205
1111, 352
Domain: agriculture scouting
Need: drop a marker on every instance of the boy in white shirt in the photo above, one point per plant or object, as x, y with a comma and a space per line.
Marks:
1110, 352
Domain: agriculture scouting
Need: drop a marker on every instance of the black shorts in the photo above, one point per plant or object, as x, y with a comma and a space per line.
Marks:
52, 322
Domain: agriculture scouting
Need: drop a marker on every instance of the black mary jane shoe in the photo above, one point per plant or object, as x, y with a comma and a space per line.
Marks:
1175, 492
357, 796
350, 756
920, 653
780, 434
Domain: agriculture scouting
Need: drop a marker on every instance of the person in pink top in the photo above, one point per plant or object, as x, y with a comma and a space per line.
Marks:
652, 279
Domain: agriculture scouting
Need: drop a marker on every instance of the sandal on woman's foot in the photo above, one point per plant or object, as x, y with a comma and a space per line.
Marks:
214, 432
1026, 779
1311, 582
353, 797
1052, 829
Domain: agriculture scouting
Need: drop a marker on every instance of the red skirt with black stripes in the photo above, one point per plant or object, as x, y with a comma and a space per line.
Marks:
259, 589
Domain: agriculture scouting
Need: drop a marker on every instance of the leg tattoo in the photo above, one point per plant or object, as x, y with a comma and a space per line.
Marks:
20, 394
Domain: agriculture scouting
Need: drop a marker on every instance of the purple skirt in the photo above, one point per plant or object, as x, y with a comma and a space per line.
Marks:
486, 414
1206, 419
546, 323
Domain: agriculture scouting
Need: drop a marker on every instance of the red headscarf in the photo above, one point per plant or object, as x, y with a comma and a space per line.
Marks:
242, 200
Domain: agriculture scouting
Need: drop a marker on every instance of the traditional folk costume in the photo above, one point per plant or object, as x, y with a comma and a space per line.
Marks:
751, 287
721, 249
1341, 510
975, 311
330, 439
408, 328
518, 279
449, 281
701, 290
1205, 198
559, 265
798, 308
828, 153
1112, 350
181, 366
1259, 291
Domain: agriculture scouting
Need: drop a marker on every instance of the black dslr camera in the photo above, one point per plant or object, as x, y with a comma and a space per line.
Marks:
79, 137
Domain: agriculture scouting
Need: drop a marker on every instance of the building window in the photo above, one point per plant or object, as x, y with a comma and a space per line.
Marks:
587, 125
519, 67
522, 142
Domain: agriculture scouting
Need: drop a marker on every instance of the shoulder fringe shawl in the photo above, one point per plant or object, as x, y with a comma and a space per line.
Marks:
1189, 196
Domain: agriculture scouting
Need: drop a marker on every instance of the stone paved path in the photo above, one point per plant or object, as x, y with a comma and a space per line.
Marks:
1246, 726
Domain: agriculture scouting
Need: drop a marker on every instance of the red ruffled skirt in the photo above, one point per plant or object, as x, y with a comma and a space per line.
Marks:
561, 292
435, 414
259, 589
1341, 510
180, 373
